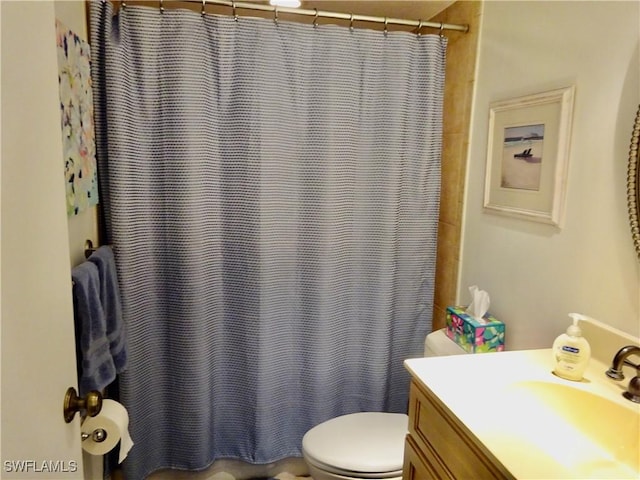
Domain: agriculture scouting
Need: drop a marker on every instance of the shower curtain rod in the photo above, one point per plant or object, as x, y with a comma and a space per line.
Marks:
419, 24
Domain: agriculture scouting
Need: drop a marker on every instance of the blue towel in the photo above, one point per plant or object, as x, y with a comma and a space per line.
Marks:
97, 367
104, 259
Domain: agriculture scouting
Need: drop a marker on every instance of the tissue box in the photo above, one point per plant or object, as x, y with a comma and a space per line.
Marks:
473, 336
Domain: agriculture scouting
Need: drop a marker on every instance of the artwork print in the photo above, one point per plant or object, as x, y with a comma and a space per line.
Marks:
528, 156
522, 157
78, 132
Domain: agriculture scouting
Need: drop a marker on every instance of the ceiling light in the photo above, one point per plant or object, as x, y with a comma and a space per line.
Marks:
285, 3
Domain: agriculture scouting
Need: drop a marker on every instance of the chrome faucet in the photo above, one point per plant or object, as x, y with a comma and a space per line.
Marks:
615, 372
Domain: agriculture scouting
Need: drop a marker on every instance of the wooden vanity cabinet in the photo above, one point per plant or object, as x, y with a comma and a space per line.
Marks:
439, 446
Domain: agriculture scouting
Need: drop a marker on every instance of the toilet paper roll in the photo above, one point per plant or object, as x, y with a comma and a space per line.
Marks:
114, 420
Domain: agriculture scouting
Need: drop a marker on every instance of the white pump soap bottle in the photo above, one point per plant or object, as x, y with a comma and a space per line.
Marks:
571, 351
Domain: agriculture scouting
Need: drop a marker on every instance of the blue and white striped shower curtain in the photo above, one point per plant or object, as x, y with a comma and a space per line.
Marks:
272, 195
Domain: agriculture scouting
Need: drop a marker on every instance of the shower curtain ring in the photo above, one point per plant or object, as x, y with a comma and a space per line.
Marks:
386, 30
419, 27
235, 15
351, 23
204, 4
315, 18
161, 6
441, 30
275, 15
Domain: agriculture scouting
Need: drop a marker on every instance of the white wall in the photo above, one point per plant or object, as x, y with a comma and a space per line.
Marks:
537, 273
84, 225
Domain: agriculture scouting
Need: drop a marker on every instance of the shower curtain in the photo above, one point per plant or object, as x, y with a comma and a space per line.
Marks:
271, 191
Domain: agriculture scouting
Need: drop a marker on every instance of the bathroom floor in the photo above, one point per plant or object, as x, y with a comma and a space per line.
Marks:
228, 469
180, 475
283, 476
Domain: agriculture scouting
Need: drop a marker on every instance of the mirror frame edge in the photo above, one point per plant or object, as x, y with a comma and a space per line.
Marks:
633, 183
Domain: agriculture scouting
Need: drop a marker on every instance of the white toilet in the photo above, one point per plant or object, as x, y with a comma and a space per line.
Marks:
365, 445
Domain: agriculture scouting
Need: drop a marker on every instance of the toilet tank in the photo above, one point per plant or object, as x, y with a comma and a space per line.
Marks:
438, 344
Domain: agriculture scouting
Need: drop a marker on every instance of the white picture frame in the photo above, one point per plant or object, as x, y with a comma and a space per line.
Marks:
528, 156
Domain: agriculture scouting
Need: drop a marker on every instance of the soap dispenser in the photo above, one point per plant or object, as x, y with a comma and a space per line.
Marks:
571, 351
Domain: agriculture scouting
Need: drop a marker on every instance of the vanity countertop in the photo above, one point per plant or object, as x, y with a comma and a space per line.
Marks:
537, 424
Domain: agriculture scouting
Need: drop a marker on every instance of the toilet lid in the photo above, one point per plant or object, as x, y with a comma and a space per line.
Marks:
367, 442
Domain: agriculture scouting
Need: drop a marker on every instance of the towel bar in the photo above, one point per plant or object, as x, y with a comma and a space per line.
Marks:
88, 248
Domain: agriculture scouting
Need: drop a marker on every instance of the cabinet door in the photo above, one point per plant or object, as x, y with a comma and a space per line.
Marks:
438, 435
417, 465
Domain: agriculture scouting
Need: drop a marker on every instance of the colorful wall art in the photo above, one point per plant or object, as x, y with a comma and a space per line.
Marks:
78, 133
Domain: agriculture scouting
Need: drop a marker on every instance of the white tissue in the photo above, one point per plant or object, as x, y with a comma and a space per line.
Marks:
479, 304
114, 420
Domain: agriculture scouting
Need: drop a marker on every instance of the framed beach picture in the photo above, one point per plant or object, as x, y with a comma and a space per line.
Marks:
527, 156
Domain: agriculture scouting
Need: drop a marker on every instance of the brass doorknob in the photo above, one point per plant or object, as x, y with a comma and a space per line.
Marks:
92, 403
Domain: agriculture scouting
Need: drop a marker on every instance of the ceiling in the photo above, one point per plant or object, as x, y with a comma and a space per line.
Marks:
402, 9
411, 10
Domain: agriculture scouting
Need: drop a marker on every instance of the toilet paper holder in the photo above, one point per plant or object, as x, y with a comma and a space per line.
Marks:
92, 403
98, 435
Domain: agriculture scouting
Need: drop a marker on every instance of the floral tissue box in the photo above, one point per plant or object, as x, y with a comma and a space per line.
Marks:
472, 335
